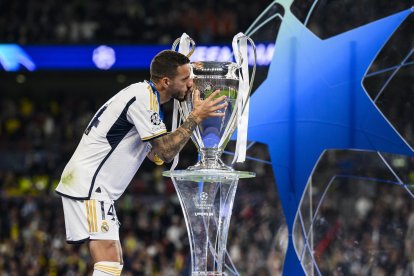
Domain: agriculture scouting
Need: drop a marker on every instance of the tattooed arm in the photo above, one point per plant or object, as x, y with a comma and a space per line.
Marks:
167, 146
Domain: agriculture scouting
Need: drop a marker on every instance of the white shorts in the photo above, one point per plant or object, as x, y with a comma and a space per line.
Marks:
90, 220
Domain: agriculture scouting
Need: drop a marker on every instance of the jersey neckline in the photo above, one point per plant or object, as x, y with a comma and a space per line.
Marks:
158, 98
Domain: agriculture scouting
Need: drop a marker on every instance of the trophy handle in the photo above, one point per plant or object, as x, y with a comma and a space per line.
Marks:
192, 43
231, 126
254, 65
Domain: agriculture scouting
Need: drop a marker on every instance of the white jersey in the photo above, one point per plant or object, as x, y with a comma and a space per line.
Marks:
114, 144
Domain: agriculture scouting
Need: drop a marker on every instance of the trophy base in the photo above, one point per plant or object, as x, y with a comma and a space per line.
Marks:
208, 175
208, 273
218, 165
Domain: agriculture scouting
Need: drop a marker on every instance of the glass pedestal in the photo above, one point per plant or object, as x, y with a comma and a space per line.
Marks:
206, 198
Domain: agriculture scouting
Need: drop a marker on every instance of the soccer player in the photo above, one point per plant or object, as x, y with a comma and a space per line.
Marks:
125, 130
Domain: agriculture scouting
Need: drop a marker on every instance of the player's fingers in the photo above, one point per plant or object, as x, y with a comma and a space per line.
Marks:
213, 95
196, 96
218, 109
216, 114
220, 106
218, 100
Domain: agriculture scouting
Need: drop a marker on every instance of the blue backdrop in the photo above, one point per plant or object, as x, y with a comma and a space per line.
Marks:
313, 100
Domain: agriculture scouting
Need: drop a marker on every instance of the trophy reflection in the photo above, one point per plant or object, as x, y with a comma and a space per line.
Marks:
207, 190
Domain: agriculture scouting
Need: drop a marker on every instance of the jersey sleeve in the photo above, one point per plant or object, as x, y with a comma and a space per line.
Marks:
144, 113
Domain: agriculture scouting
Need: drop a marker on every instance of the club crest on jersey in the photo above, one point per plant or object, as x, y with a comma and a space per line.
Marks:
104, 227
155, 119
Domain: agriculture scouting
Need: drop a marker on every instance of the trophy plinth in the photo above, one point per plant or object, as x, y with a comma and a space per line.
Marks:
206, 197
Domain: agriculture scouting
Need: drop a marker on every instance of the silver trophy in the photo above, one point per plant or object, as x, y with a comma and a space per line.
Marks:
213, 134
206, 190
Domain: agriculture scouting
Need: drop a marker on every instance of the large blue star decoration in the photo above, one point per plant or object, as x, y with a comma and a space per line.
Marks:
313, 100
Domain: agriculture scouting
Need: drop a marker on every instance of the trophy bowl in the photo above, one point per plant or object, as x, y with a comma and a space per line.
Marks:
213, 134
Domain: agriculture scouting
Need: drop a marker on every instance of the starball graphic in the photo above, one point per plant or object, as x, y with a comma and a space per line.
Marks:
313, 100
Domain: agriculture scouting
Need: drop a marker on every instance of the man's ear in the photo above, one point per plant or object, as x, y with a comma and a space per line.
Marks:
165, 81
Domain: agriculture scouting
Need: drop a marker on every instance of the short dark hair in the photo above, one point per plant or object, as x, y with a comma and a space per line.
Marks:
165, 64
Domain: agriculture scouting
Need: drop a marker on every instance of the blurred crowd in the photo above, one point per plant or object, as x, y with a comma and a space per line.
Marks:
159, 21
368, 231
38, 136
365, 221
153, 235
125, 21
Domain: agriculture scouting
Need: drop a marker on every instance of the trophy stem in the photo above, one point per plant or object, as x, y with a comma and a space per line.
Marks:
210, 158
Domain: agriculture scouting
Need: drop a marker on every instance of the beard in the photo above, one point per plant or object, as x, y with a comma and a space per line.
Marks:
180, 98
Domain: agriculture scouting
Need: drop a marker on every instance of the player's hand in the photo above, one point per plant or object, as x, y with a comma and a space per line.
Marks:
209, 107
